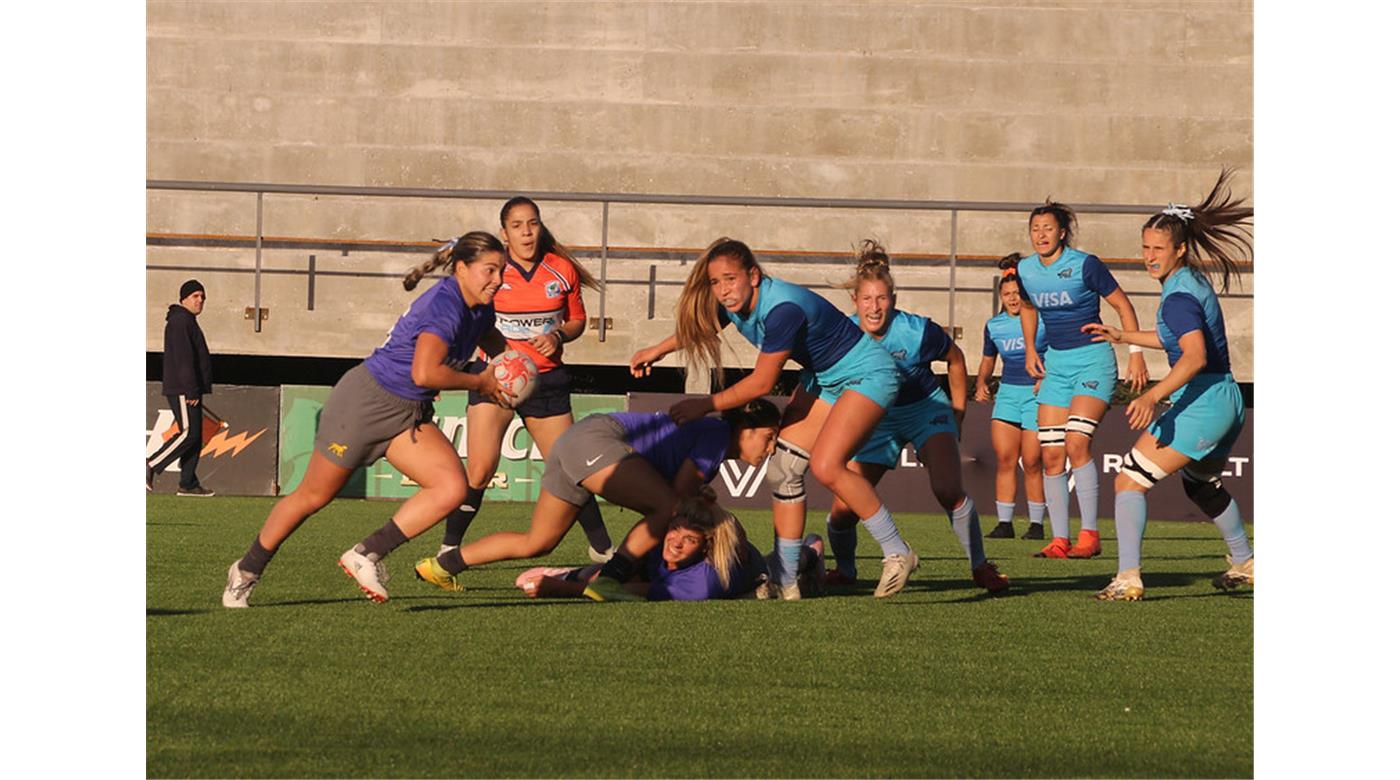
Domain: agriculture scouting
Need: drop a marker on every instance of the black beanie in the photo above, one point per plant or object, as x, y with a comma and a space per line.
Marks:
189, 288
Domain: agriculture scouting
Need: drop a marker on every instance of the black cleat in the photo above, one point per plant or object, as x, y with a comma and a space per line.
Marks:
150, 479
1003, 531
197, 490
1036, 531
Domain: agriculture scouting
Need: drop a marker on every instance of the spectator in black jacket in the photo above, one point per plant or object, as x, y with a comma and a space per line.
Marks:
186, 377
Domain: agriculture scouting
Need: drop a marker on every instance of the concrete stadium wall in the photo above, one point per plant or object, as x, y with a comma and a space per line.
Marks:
1129, 102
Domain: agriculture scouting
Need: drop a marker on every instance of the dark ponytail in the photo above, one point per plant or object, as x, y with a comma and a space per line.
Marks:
1218, 233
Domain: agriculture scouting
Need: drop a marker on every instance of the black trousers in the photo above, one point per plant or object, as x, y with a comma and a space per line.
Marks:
185, 444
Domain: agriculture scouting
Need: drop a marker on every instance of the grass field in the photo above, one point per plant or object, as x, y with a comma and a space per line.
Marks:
940, 680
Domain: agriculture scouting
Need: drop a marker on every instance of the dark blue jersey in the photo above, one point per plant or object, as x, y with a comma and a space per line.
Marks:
442, 312
788, 317
1189, 303
1066, 294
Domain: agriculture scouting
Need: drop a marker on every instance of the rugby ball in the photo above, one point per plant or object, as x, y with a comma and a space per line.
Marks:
517, 374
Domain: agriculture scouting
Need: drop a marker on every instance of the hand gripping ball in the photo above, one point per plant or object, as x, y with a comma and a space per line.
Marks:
516, 374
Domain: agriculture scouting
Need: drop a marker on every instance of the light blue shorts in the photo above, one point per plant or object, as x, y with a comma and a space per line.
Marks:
908, 424
1090, 370
867, 369
1205, 419
1018, 405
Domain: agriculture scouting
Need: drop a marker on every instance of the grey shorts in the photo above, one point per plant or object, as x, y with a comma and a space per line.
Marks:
586, 448
361, 418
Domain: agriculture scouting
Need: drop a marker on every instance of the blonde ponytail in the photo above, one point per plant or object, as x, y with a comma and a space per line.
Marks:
726, 537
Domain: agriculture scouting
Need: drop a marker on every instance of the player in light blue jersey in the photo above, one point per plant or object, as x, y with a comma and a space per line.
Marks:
1061, 286
1014, 429
1180, 246
848, 381
383, 408
922, 415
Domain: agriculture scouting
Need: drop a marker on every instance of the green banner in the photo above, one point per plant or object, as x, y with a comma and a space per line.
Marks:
517, 477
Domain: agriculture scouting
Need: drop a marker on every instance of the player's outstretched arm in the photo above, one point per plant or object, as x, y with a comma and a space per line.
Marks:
642, 361
756, 384
1140, 338
1127, 315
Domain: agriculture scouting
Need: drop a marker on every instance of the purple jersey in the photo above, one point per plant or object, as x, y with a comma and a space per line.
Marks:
698, 581
657, 439
442, 312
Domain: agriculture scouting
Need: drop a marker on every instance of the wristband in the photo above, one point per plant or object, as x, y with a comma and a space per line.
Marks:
1134, 349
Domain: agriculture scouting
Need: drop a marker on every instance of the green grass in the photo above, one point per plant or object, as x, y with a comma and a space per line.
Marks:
1043, 681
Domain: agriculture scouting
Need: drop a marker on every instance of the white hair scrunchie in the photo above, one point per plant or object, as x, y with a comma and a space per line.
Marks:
1183, 213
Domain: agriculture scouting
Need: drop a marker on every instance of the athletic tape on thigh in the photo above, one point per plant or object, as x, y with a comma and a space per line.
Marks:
1082, 426
786, 470
1141, 470
1205, 489
1051, 436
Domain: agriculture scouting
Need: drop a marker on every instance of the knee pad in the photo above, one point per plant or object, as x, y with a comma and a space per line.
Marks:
1206, 491
786, 470
1081, 425
1051, 436
1141, 470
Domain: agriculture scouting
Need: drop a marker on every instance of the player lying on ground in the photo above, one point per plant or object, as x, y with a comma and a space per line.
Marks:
383, 408
847, 382
1063, 285
642, 461
1180, 247
922, 415
1014, 428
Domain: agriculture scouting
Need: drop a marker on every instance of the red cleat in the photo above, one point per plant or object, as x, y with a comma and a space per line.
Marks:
836, 579
987, 576
1057, 548
1087, 546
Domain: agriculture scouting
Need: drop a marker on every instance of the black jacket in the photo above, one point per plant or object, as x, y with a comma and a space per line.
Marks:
186, 369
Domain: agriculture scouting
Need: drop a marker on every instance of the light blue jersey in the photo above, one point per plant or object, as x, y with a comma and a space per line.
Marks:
1066, 294
1189, 303
789, 317
914, 342
1002, 335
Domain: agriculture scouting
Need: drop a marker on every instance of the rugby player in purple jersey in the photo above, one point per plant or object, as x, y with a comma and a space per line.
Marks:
383, 408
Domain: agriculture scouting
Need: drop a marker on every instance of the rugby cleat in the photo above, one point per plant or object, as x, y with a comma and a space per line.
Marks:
1036, 531
1087, 546
1236, 576
150, 478
1126, 586
835, 578
369, 575
811, 571
608, 589
240, 584
430, 571
1002, 531
895, 574
1057, 548
986, 576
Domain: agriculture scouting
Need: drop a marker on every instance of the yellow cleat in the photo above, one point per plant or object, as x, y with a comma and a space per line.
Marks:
1236, 576
431, 572
1126, 586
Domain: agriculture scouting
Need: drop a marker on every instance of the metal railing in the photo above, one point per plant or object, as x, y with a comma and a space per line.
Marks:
606, 199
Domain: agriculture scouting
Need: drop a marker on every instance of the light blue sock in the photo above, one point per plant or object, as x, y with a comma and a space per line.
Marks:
1086, 486
843, 547
969, 531
1057, 502
1130, 518
1231, 527
1037, 512
881, 526
789, 553
1005, 511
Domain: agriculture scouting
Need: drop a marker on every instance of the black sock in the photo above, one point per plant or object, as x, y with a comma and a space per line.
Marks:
451, 560
621, 567
382, 542
256, 559
591, 519
461, 518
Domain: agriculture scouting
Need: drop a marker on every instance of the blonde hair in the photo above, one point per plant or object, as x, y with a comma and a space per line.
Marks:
547, 243
1216, 231
463, 249
697, 316
872, 264
726, 538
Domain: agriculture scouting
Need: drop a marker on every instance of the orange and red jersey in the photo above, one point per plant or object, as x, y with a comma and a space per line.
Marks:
537, 302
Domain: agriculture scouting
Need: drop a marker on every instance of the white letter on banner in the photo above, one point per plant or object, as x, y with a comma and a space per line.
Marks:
450, 426
1112, 464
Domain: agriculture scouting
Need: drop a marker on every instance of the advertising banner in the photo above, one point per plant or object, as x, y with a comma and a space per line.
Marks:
906, 488
240, 460
516, 479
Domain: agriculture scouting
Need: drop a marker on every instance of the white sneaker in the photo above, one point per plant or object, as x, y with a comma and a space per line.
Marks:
1237, 575
240, 584
896, 574
601, 557
1126, 586
369, 575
